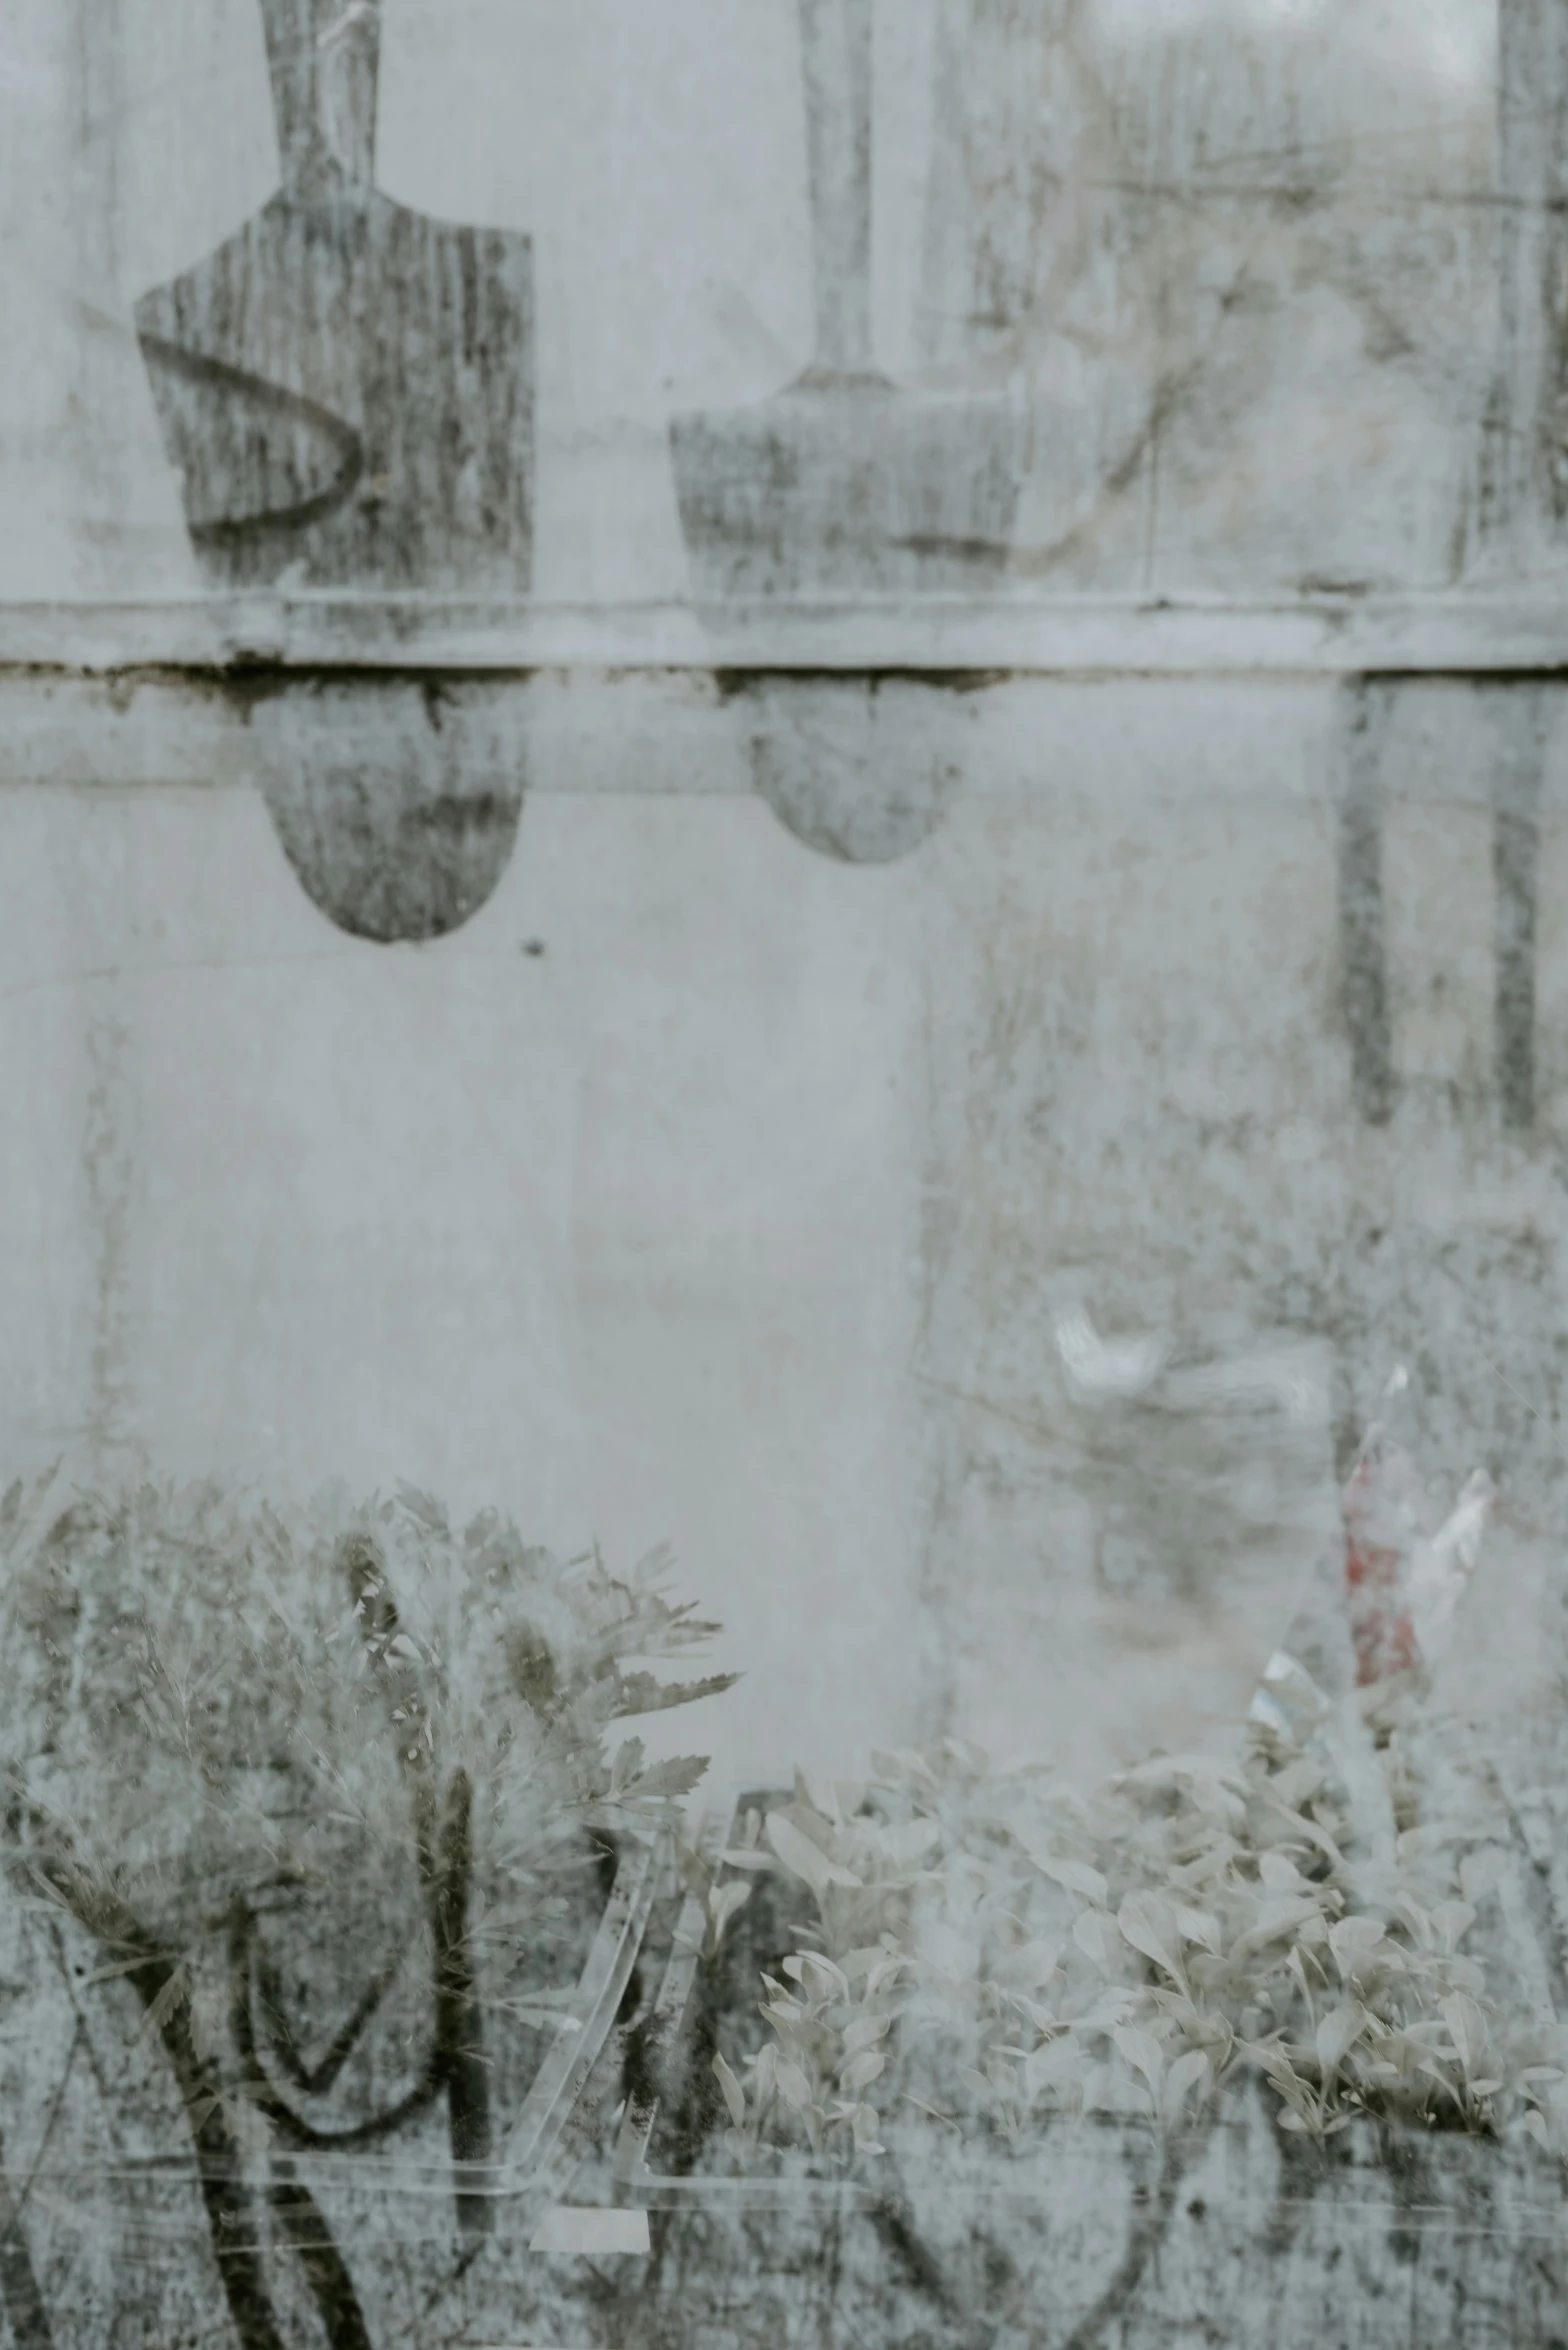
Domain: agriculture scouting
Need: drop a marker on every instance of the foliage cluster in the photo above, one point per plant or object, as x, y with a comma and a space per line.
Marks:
338, 1798
995, 1950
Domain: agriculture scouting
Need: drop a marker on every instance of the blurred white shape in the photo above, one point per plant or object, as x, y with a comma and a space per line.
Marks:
583, 2233
1441, 1569
1403, 1582
1460, 44
1451, 41
1098, 1368
1292, 1379
1132, 20
356, 13
1287, 1699
21, 79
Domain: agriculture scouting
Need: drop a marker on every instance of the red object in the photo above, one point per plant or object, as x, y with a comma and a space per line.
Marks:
1379, 1523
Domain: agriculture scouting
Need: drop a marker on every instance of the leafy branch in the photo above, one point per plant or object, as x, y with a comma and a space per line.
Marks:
332, 1793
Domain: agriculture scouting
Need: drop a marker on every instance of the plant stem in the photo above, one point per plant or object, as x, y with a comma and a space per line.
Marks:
24, 2303
1148, 2230
444, 1844
230, 2215
304, 2228
459, 2044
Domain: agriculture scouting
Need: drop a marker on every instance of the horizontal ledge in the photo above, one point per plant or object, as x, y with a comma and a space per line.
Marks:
1328, 635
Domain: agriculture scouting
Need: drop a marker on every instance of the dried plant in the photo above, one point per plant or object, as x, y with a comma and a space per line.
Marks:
338, 1798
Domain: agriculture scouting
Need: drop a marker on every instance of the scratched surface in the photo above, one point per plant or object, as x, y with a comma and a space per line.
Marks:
1241, 296
708, 1184
956, 1143
345, 388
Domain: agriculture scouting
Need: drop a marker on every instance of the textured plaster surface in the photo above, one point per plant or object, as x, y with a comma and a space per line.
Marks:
955, 1149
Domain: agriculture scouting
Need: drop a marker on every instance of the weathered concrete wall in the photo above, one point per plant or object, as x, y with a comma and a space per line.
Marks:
796, 777
703, 1186
1235, 262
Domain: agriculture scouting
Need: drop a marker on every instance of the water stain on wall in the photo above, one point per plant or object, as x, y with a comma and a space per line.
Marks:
846, 481
346, 386
1362, 942
346, 391
1235, 257
859, 768
1522, 717
397, 800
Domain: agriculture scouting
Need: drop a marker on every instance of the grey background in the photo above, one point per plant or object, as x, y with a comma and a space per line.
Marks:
705, 1184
